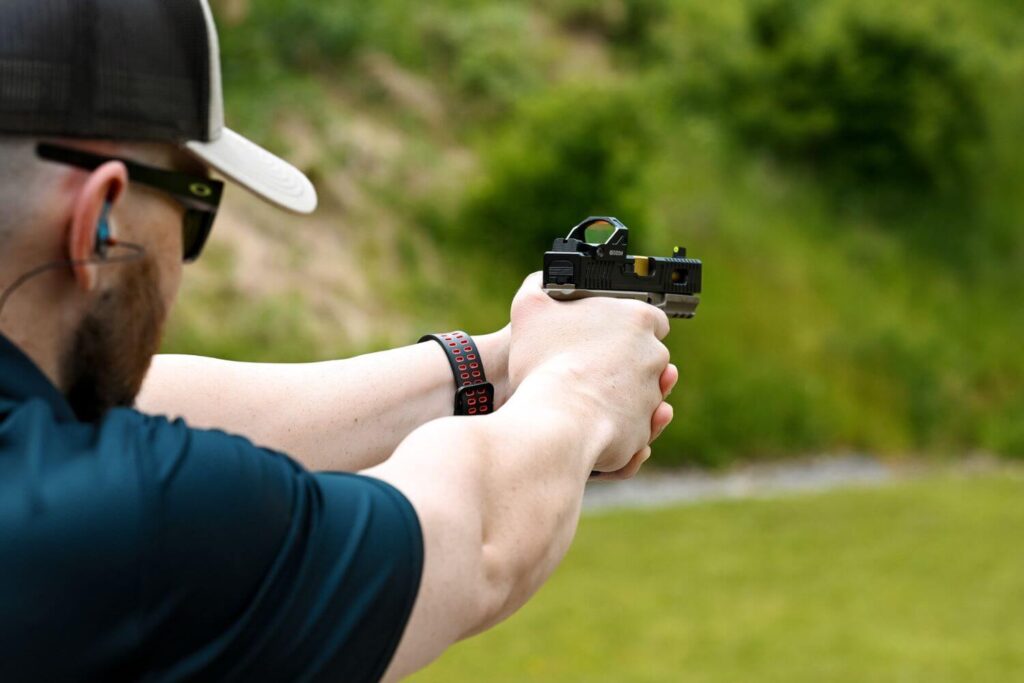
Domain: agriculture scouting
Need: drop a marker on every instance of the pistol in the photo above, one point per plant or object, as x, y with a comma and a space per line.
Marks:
575, 269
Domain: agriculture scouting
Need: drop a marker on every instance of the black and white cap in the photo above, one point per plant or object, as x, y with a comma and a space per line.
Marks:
132, 70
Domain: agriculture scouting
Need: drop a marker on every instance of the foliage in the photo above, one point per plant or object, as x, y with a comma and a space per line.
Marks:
914, 582
490, 54
627, 23
1006, 429
302, 35
875, 102
486, 52
763, 135
566, 157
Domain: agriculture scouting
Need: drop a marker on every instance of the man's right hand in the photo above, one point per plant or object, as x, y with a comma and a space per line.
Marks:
607, 362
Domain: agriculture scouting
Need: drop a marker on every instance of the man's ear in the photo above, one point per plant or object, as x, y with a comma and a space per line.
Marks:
105, 184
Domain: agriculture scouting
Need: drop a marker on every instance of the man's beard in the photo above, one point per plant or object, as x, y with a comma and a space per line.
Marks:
112, 349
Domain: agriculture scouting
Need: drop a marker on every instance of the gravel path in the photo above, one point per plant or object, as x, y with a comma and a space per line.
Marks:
665, 489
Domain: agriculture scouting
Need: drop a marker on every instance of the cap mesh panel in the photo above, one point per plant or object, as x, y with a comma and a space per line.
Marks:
132, 70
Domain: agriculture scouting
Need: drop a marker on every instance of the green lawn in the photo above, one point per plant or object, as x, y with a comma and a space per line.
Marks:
918, 581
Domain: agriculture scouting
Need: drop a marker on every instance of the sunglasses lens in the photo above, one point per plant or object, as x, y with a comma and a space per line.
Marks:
195, 231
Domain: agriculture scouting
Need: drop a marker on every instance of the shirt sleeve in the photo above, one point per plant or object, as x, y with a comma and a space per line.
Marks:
261, 570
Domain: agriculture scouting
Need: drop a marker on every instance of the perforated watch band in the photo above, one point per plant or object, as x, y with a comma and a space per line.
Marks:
474, 395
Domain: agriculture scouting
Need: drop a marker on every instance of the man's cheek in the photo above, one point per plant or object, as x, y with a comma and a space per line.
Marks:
169, 265
170, 283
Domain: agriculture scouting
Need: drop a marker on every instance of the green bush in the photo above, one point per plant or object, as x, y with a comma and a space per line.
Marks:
1004, 433
626, 23
489, 54
874, 102
760, 411
828, 323
294, 34
290, 37
565, 157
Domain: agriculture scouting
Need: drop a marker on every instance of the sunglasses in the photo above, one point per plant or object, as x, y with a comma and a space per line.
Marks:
198, 195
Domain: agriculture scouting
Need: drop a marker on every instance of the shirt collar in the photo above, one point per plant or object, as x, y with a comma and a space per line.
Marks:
21, 381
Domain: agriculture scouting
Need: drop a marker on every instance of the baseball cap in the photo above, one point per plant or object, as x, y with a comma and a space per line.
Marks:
131, 70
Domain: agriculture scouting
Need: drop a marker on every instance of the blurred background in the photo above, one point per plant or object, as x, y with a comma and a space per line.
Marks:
851, 172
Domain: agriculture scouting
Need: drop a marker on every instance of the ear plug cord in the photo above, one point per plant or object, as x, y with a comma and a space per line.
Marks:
137, 253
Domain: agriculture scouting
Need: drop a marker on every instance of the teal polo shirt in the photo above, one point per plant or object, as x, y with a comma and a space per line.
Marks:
137, 548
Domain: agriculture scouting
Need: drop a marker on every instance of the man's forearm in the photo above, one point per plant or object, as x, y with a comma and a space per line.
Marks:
339, 415
499, 509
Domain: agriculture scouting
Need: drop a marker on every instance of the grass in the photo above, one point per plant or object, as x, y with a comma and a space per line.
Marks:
918, 581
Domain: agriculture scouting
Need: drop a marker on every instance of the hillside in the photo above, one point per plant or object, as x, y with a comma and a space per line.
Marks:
848, 171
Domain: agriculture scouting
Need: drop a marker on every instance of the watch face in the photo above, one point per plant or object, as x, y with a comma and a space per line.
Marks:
476, 399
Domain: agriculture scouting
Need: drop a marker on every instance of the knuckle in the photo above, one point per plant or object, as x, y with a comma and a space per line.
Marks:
664, 355
529, 300
640, 313
663, 325
658, 320
657, 358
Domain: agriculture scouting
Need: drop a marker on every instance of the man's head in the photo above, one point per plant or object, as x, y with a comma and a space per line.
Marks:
112, 307
130, 83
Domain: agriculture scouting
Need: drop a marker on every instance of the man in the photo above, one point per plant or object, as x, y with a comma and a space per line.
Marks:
135, 547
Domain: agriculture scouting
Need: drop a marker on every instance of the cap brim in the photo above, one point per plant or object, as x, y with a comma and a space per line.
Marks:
258, 171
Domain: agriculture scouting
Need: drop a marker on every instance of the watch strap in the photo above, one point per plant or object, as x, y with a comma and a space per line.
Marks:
474, 395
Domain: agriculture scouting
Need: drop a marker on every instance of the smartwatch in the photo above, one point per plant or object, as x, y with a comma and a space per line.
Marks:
474, 395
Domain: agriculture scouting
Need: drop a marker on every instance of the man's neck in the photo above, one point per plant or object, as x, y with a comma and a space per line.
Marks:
44, 355
37, 324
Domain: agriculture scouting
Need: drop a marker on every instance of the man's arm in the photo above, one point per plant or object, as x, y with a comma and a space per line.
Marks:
342, 415
499, 496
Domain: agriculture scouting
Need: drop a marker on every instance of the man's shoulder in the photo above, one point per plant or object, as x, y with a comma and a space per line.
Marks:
47, 464
127, 446
217, 557
113, 480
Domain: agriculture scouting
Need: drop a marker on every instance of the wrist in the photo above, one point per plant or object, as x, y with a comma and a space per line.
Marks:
550, 395
494, 350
